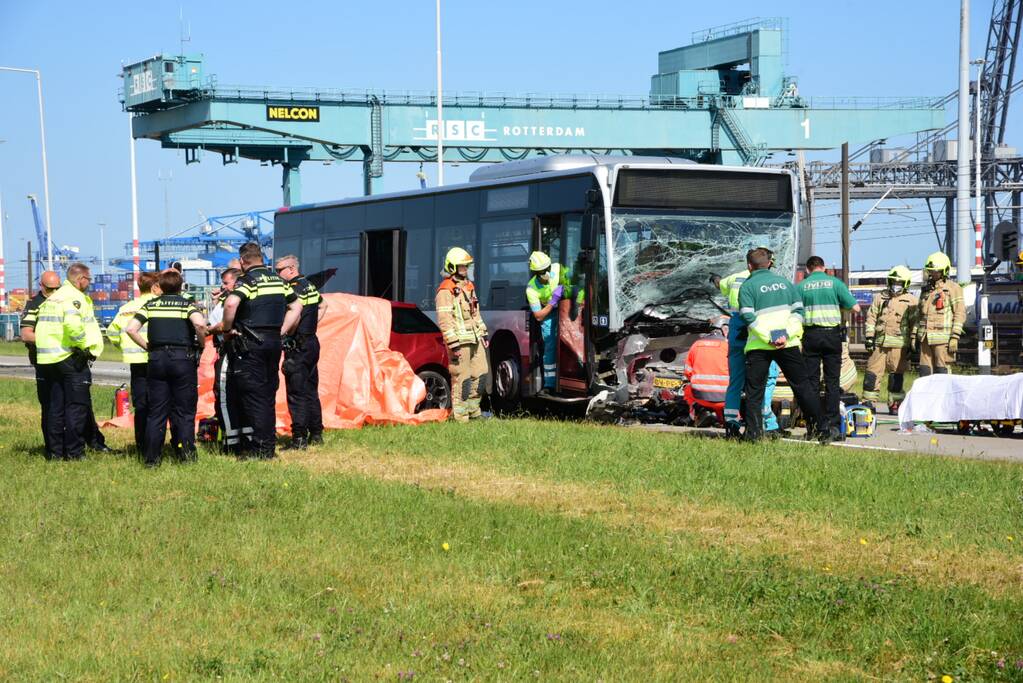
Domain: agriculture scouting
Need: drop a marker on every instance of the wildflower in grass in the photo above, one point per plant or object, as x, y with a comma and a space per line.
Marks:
863, 541
947, 679
1019, 663
316, 637
1010, 539
445, 546
1000, 663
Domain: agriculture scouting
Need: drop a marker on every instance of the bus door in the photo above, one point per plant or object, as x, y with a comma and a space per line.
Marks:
558, 236
382, 264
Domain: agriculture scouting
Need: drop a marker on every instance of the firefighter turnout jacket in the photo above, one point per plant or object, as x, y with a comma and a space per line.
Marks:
771, 307
941, 313
458, 313
890, 319
66, 322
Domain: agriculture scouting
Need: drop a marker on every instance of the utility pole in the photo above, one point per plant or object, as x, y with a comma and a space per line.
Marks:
3, 268
102, 249
134, 213
964, 254
845, 212
28, 262
985, 331
165, 179
440, 110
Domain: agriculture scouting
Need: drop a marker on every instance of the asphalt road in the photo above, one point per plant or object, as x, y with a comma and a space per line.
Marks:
103, 372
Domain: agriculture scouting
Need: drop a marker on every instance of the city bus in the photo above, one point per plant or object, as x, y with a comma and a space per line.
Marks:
638, 240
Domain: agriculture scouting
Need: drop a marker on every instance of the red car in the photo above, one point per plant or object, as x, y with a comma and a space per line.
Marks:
418, 338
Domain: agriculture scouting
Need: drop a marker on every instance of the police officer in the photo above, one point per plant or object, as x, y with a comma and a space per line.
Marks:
226, 398
824, 298
68, 339
888, 337
49, 282
544, 292
175, 334
301, 375
771, 307
265, 304
465, 334
940, 316
132, 354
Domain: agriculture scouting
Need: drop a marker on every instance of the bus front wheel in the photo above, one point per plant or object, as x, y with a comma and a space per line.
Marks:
507, 379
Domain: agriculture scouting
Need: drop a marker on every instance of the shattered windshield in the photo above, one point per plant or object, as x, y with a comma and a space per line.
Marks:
667, 258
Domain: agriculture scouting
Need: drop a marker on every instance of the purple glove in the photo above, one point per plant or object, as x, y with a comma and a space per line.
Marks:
559, 292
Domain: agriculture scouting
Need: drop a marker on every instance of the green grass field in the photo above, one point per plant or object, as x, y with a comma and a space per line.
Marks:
507, 550
16, 348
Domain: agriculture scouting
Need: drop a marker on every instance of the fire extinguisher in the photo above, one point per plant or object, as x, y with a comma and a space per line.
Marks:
122, 401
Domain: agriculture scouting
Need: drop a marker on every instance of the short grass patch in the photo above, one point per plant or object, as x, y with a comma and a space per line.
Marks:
506, 550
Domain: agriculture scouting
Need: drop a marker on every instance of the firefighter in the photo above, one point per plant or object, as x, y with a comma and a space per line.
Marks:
132, 354
544, 292
175, 334
465, 334
888, 337
226, 399
264, 304
737, 337
68, 339
824, 298
772, 310
301, 377
706, 368
940, 315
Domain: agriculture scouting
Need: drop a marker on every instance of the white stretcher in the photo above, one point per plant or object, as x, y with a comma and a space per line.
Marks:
963, 398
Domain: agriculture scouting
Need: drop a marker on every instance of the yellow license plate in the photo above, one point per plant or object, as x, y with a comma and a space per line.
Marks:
667, 383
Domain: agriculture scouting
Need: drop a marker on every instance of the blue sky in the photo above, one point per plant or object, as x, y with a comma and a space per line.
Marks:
869, 47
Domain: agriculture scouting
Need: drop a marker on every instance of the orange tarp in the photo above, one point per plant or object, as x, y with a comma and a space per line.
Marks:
361, 380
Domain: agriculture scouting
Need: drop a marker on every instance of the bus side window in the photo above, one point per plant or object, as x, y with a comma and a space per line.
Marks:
550, 237
449, 236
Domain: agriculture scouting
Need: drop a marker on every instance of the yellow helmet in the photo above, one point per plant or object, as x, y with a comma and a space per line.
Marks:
539, 261
901, 275
1019, 260
455, 257
938, 262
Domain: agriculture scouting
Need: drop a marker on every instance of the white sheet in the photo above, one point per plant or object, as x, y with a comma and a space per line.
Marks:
950, 398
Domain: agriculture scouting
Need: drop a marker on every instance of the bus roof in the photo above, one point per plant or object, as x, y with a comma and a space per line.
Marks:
509, 172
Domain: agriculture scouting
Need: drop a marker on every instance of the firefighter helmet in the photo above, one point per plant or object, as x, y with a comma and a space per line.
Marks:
938, 262
455, 257
899, 275
539, 262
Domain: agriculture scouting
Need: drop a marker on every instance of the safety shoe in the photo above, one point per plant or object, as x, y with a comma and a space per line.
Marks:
298, 443
775, 434
893, 407
100, 448
316, 439
733, 430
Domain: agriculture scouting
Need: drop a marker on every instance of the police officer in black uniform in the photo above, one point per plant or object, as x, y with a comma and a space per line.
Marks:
265, 304
49, 282
301, 356
176, 331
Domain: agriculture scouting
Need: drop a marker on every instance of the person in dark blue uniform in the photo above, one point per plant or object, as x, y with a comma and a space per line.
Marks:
301, 356
176, 331
267, 306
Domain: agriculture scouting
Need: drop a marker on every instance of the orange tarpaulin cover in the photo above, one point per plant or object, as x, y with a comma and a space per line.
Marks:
362, 381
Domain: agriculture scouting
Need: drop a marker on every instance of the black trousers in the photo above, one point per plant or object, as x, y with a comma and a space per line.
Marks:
42, 393
790, 360
139, 402
257, 379
822, 347
65, 390
172, 394
227, 400
302, 381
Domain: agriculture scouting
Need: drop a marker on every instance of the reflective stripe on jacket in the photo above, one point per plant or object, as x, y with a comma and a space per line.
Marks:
706, 368
824, 297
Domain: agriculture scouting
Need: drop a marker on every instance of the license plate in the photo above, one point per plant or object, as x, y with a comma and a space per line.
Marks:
667, 383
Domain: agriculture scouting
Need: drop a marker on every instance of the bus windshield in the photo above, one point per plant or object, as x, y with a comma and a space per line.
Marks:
665, 258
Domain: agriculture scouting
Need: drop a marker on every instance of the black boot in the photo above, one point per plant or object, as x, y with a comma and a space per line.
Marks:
316, 439
298, 443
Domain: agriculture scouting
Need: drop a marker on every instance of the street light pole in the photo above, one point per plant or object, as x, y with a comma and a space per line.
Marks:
46, 173
985, 331
440, 109
102, 248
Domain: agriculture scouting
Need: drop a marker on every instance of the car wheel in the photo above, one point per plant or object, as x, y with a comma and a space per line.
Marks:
438, 391
506, 383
